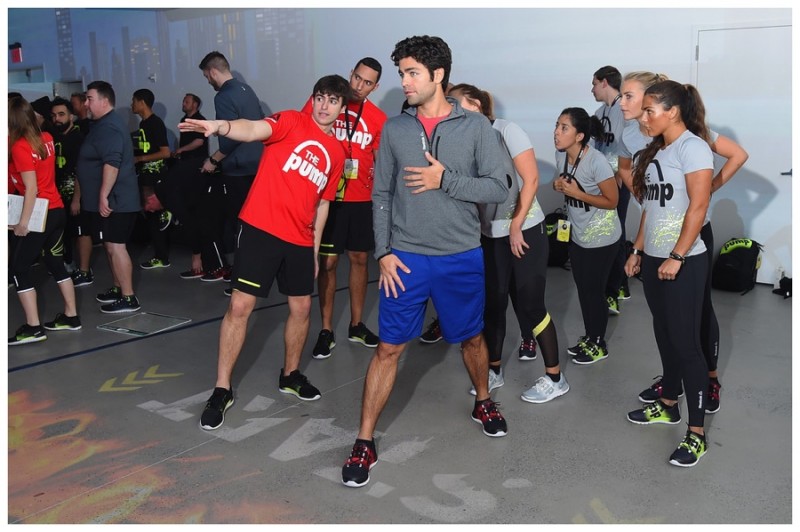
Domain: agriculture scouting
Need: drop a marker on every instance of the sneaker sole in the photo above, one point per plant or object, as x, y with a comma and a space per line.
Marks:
208, 427
361, 341
588, 362
120, 311
554, 396
323, 356
354, 484
525, 359
572, 353
296, 394
430, 341
659, 422
679, 464
210, 280
612, 312
31, 340
712, 411
495, 435
190, 277
68, 328
154, 267
82, 284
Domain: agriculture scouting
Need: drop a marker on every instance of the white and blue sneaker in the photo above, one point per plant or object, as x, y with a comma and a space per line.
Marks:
544, 390
495, 381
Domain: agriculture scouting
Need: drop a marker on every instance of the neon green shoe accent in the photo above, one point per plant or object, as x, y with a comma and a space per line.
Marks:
689, 451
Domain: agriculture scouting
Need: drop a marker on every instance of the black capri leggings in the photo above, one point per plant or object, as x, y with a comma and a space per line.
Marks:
49, 244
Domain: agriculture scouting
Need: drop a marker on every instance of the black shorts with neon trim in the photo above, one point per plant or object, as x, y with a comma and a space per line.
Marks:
261, 258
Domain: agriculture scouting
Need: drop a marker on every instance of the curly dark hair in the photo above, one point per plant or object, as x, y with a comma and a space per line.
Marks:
432, 52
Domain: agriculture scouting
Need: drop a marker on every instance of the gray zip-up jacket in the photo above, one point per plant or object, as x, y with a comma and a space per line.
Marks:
436, 222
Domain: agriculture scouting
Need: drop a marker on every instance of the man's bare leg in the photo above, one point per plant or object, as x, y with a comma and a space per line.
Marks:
232, 333
378, 384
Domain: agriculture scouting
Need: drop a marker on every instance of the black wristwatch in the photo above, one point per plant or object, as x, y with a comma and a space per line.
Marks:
214, 161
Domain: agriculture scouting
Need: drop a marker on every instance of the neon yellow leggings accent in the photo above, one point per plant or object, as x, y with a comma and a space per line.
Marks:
542, 325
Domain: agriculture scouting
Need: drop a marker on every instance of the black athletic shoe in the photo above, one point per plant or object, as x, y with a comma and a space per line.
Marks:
712, 397
432, 334
527, 349
363, 457
653, 393
325, 342
228, 292
487, 414
577, 349
28, 334
110, 295
80, 278
690, 450
656, 412
121, 305
297, 384
63, 323
214, 413
361, 335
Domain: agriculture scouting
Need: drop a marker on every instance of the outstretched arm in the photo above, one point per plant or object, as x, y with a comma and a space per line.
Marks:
240, 130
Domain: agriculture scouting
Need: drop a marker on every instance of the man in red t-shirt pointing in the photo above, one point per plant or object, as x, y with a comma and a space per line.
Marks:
282, 221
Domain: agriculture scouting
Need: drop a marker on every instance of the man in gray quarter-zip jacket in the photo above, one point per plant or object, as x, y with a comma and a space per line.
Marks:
436, 161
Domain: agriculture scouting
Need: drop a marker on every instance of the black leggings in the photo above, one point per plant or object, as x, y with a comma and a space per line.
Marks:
524, 280
590, 268
49, 244
709, 326
676, 307
617, 277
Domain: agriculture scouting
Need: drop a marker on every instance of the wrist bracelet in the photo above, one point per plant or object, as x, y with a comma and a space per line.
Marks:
675, 256
214, 161
637, 252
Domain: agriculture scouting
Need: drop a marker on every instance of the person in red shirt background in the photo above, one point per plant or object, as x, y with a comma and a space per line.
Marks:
32, 172
349, 225
281, 225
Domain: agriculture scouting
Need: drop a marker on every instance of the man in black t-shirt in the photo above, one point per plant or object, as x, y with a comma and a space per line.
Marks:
188, 191
151, 151
67, 141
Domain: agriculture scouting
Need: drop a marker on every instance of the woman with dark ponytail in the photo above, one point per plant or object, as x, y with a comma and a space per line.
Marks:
634, 139
587, 181
515, 251
672, 180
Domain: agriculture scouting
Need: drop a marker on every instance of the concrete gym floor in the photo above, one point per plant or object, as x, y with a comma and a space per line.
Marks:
103, 426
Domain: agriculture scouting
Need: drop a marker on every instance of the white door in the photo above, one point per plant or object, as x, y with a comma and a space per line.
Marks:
744, 75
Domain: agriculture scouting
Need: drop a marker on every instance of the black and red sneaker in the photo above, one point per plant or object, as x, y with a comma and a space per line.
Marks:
363, 457
487, 414
653, 393
712, 397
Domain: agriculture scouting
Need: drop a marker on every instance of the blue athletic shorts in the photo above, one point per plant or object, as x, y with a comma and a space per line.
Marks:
455, 284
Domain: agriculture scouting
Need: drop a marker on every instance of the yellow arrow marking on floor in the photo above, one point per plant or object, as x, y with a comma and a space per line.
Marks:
151, 373
129, 383
108, 386
605, 515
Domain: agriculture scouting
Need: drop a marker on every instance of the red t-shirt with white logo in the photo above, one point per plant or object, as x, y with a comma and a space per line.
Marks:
24, 159
362, 145
300, 164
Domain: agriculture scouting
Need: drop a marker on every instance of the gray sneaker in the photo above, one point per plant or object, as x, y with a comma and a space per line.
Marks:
544, 390
495, 381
